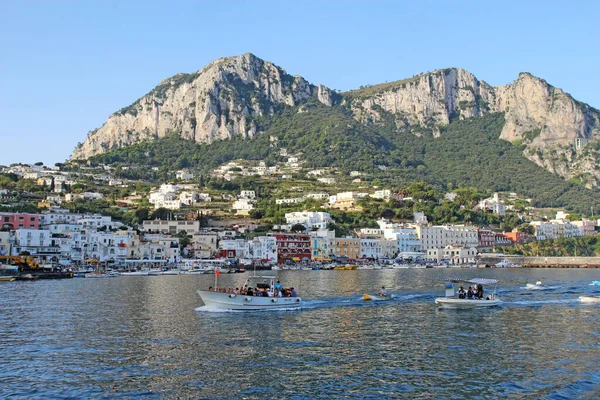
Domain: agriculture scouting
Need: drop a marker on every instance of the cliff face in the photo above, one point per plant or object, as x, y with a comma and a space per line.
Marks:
224, 98
554, 127
216, 102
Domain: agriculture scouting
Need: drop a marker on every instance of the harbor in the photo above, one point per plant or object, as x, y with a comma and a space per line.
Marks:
151, 337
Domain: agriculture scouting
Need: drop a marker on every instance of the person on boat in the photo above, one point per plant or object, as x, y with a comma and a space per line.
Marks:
470, 293
277, 286
382, 292
210, 288
293, 292
249, 292
480, 292
461, 293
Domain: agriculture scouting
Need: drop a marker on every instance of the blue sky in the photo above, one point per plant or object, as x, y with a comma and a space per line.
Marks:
65, 66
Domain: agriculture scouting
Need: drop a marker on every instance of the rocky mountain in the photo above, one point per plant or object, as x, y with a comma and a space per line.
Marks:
229, 96
219, 101
555, 128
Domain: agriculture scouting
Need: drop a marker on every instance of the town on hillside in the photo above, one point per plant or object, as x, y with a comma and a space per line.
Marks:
248, 213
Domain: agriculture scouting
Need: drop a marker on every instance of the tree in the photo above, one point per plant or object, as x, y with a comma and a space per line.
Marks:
298, 228
184, 240
140, 215
527, 228
160, 213
256, 213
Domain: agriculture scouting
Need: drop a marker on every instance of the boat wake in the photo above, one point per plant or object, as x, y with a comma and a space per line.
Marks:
206, 309
540, 302
538, 287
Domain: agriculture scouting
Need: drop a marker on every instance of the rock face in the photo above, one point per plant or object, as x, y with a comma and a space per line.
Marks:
554, 127
224, 99
217, 102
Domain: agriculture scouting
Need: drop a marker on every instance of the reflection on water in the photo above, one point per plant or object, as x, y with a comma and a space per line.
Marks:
142, 336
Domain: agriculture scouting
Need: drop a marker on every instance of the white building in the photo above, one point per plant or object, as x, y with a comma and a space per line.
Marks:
317, 196
263, 248
328, 181
382, 194
172, 227
442, 236
58, 216
289, 201
453, 254
4, 243
188, 197
81, 196
406, 237
243, 206
184, 175
235, 248
310, 220
247, 194
493, 204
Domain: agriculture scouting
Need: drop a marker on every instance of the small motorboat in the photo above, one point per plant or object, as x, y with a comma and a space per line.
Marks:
589, 299
453, 301
375, 297
595, 283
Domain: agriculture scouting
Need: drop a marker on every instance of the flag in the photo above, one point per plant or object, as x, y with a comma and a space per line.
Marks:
217, 273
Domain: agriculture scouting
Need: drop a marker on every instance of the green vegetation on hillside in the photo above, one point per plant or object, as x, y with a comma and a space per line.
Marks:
586, 246
468, 153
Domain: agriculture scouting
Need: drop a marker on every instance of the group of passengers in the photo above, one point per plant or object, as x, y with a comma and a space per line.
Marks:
261, 290
473, 293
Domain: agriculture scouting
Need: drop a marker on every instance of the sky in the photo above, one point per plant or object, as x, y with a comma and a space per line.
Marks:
65, 66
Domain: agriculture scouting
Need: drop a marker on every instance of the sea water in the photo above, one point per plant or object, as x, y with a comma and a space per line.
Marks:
150, 337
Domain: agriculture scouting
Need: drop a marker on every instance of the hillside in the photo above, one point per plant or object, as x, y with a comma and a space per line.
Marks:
238, 97
468, 153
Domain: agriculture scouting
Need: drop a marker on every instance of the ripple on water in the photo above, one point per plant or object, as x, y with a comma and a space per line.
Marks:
151, 338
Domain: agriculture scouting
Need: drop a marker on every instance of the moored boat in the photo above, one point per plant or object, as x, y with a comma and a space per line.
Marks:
215, 300
459, 300
7, 278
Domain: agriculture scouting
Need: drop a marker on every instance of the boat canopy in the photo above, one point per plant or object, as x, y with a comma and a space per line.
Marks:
477, 281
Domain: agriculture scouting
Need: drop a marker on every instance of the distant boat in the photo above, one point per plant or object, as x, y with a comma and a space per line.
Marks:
506, 264
7, 278
106, 275
375, 297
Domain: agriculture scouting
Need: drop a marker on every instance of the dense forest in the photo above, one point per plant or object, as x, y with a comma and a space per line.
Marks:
467, 153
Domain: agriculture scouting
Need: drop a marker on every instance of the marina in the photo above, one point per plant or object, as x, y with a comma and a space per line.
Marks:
154, 337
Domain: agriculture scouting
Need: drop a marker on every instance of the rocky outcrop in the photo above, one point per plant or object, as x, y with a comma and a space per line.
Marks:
217, 102
554, 127
431, 99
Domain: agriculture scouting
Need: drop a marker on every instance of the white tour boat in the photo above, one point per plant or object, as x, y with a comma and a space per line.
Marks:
453, 300
589, 299
229, 301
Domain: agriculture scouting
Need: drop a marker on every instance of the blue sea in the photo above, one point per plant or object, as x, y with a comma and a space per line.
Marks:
151, 337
